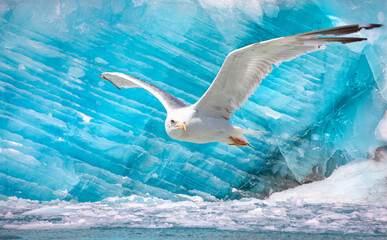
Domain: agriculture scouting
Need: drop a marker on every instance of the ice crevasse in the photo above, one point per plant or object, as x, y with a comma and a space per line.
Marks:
65, 133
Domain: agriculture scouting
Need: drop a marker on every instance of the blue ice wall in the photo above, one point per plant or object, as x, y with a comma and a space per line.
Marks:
65, 133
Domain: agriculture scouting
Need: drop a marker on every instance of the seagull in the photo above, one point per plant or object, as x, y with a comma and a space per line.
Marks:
240, 75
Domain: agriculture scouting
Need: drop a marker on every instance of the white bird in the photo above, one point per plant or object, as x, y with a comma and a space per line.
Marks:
240, 75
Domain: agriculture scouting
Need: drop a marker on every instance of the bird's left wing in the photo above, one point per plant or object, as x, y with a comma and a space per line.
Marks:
244, 68
121, 80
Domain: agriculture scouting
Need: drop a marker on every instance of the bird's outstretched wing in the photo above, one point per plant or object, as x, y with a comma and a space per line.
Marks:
121, 80
244, 68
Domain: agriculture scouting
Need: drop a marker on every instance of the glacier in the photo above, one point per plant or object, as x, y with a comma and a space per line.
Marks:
66, 134
76, 152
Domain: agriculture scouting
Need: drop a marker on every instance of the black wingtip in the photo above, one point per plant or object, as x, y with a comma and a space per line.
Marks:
342, 30
370, 26
343, 40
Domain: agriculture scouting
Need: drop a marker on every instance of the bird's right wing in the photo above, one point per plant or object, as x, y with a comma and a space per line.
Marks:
244, 68
121, 80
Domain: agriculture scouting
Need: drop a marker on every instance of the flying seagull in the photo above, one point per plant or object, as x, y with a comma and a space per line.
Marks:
240, 75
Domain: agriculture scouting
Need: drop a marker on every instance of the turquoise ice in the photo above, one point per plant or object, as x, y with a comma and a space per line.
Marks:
67, 134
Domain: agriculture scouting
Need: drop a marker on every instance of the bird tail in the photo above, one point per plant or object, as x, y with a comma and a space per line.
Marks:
253, 132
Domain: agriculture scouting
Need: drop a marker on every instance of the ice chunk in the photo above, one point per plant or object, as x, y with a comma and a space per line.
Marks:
381, 130
356, 182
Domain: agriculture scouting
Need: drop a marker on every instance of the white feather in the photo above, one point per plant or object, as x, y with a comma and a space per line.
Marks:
121, 80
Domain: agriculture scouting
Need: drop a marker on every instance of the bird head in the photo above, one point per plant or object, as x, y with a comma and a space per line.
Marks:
175, 127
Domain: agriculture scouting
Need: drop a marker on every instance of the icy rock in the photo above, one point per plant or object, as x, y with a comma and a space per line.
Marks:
380, 154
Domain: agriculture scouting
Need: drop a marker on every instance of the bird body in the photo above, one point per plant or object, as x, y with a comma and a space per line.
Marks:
201, 128
240, 75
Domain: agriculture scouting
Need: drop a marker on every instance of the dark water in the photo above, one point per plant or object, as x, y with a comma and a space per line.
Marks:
169, 233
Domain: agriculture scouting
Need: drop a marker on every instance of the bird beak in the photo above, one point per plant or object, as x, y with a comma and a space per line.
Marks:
182, 126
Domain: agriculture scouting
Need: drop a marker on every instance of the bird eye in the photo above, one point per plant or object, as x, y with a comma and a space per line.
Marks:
172, 121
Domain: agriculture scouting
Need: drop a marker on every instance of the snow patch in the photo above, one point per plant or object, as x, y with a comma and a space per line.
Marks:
85, 118
76, 72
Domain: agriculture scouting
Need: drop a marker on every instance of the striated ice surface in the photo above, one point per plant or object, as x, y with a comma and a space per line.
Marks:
66, 134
